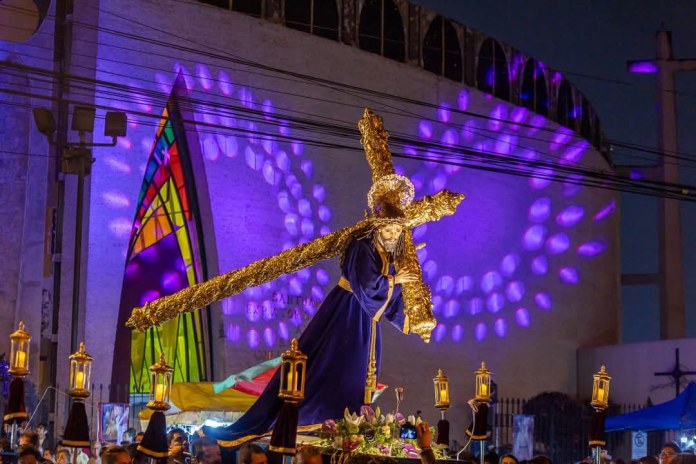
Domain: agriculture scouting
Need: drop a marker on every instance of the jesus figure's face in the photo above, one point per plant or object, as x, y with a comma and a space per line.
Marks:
389, 236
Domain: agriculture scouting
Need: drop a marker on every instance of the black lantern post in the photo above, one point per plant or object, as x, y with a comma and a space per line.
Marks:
600, 403
293, 370
154, 443
442, 402
76, 433
15, 409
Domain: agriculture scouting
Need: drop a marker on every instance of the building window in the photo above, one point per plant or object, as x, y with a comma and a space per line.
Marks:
534, 94
441, 52
381, 29
566, 106
318, 17
492, 75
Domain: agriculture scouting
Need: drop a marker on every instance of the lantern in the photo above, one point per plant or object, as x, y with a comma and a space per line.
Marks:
160, 385
19, 352
600, 389
293, 367
442, 399
483, 384
80, 371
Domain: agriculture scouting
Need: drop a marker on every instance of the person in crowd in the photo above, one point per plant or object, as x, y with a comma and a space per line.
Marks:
95, 451
28, 455
252, 454
540, 459
63, 456
668, 452
509, 459
115, 454
650, 459
178, 446
207, 451
29, 438
44, 439
424, 438
310, 455
128, 436
48, 455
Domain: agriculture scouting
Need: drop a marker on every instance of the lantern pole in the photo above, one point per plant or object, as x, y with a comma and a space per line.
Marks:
15, 409
479, 426
600, 403
154, 443
76, 434
442, 402
293, 373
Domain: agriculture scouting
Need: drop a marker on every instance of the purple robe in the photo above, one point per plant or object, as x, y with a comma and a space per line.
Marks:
337, 343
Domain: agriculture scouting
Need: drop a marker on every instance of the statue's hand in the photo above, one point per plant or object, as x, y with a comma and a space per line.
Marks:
405, 275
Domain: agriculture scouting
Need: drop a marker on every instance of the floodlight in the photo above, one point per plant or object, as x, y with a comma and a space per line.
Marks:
115, 124
83, 119
44, 121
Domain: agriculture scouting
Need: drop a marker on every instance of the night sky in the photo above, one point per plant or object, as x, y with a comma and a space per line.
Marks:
590, 42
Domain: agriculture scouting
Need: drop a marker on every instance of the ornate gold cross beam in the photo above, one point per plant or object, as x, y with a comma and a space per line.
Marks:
417, 305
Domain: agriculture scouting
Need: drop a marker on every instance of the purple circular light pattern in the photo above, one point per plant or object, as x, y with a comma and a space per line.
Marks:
569, 275
480, 331
269, 337
283, 331
605, 211
543, 300
444, 113
522, 317
540, 265
457, 333
170, 281
451, 309
534, 237
592, 248
439, 332
490, 281
515, 291
539, 235
475, 306
233, 333
540, 210
570, 216
445, 285
509, 264
495, 302
558, 243
500, 327
253, 339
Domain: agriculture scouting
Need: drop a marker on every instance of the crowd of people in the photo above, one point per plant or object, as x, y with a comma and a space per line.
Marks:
35, 446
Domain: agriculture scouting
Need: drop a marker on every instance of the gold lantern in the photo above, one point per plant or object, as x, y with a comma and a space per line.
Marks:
293, 367
19, 352
80, 372
483, 384
160, 385
600, 389
442, 398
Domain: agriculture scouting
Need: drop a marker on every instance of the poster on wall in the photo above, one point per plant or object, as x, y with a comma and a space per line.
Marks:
523, 436
113, 422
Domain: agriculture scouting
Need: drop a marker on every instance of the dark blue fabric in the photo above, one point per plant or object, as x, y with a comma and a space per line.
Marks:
336, 342
676, 414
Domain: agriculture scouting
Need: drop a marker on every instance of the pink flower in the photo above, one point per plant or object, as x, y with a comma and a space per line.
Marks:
329, 426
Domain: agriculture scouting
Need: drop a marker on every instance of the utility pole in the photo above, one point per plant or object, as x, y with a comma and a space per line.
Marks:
670, 276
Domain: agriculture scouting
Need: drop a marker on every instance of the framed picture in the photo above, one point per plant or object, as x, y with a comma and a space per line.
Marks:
113, 422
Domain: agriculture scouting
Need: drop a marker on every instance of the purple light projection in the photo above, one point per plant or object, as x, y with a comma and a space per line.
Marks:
501, 299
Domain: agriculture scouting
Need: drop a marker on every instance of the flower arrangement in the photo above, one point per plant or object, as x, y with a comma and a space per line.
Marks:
370, 433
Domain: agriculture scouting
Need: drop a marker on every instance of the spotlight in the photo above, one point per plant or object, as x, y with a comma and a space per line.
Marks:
83, 119
115, 124
44, 121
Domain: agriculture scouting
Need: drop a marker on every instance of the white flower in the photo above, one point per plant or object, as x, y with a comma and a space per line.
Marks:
352, 419
389, 419
411, 419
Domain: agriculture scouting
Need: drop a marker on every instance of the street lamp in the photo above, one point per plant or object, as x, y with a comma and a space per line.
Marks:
442, 402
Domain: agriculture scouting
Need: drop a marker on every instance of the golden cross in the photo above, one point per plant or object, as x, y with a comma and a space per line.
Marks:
417, 305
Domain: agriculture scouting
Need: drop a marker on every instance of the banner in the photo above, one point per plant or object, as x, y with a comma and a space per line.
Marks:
523, 437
